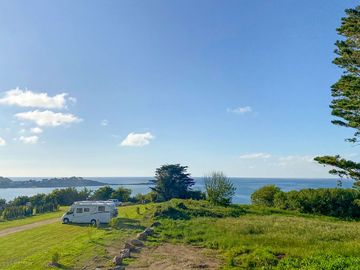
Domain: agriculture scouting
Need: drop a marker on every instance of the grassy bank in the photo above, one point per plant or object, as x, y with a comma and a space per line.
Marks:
261, 238
78, 245
244, 237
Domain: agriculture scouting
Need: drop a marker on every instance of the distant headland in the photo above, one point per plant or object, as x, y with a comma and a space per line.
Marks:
50, 183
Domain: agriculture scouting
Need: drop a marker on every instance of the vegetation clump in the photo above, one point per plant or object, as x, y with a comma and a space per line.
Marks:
265, 196
219, 188
173, 181
336, 202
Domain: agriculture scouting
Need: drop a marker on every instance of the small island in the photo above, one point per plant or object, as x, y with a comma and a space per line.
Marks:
50, 183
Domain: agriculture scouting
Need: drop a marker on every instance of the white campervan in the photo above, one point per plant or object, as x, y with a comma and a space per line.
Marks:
90, 212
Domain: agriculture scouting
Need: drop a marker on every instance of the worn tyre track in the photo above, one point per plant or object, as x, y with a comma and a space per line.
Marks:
26, 227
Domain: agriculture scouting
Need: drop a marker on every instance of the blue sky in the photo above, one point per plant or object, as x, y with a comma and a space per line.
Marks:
117, 88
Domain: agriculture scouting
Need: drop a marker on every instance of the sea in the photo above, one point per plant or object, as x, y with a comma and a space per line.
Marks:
244, 186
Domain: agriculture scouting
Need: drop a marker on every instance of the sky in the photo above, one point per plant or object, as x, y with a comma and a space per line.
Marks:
118, 88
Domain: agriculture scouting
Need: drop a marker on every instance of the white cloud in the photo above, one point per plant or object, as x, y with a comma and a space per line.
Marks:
240, 110
36, 130
29, 140
293, 159
27, 98
48, 118
2, 142
137, 139
104, 123
255, 156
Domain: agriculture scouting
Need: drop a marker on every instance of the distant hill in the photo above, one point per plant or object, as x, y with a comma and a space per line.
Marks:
53, 182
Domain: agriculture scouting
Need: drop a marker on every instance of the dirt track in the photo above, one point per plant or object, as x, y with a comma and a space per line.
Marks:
27, 226
174, 257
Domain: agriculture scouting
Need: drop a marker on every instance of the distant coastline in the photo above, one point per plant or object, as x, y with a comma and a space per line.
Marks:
50, 183
60, 183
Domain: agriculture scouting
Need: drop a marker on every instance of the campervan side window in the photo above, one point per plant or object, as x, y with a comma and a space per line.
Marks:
101, 208
86, 210
79, 210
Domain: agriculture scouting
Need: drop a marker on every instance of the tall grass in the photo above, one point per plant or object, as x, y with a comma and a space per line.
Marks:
253, 239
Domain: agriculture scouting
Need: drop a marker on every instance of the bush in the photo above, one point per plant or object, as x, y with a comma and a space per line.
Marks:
103, 193
55, 258
219, 189
68, 196
12, 212
185, 209
320, 262
336, 202
196, 195
122, 194
265, 196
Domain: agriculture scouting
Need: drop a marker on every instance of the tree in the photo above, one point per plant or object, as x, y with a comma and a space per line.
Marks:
172, 181
122, 194
103, 193
2, 204
219, 188
265, 196
67, 196
346, 93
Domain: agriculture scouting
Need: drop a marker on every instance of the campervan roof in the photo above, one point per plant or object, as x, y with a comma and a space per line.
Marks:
94, 203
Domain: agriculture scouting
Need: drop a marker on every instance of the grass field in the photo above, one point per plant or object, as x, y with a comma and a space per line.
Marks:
245, 237
262, 238
77, 245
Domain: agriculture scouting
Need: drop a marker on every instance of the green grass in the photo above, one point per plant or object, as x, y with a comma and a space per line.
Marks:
32, 219
245, 237
262, 238
77, 245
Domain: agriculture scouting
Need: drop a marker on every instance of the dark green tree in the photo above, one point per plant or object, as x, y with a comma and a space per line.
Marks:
103, 193
172, 181
346, 92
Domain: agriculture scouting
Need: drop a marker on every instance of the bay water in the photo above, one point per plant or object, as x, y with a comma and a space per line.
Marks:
244, 186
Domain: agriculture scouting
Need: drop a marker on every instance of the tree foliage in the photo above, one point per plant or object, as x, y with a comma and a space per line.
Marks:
122, 194
67, 196
346, 92
103, 193
265, 196
172, 181
219, 188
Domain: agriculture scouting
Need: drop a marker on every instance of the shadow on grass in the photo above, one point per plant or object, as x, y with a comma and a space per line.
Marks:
60, 266
118, 223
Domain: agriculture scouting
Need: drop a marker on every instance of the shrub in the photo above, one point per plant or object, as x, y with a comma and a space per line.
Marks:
196, 195
335, 202
103, 193
265, 196
219, 188
55, 258
122, 194
246, 258
12, 212
320, 262
185, 209
68, 196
